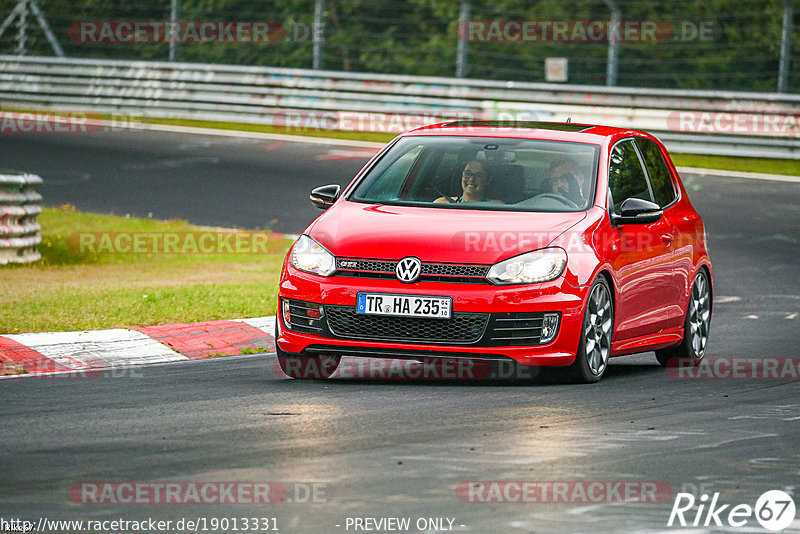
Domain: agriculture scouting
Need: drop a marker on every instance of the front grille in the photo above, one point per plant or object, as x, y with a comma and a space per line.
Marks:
431, 272
450, 269
366, 265
462, 328
516, 329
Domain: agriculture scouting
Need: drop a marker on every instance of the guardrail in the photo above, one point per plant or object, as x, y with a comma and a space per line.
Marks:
730, 123
19, 230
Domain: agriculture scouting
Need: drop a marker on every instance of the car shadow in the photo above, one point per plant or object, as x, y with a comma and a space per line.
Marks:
378, 372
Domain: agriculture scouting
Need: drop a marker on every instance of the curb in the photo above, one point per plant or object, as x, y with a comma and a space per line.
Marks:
88, 354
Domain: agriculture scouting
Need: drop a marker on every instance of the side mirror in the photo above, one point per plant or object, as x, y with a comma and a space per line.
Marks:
324, 197
637, 211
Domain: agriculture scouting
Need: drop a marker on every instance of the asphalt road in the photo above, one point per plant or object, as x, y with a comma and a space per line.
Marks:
400, 448
212, 180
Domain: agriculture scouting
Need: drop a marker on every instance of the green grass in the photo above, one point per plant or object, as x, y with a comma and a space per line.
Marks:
71, 290
733, 163
377, 137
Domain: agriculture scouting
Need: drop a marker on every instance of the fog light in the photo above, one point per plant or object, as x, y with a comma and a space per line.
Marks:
287, 317
549, 328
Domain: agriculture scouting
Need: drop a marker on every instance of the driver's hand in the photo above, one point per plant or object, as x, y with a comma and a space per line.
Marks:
573, 189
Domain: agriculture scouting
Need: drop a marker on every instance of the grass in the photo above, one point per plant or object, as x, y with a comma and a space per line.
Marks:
733, 163
74, 289
377, 137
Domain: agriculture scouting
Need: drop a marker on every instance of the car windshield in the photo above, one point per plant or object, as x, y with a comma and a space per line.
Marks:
482, 173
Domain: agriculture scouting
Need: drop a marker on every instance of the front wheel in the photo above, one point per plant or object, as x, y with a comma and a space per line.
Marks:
306, 367
696, 326
594, 348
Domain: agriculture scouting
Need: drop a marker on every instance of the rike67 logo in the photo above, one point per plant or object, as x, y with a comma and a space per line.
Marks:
774, 510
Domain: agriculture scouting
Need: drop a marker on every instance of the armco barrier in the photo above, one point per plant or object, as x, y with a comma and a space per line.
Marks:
19, 231
714, 122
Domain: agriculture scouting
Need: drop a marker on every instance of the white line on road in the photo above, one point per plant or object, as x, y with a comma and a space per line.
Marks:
739, 174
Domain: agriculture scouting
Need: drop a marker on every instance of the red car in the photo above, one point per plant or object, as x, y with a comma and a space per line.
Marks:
549, 244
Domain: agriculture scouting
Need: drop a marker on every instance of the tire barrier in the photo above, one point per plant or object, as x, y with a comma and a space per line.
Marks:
19, 230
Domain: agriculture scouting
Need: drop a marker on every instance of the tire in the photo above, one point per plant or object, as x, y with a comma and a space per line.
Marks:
696, 325
306, 367
597, 329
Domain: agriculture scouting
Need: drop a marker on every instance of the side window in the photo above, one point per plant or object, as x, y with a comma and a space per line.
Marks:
657, 170
626, 177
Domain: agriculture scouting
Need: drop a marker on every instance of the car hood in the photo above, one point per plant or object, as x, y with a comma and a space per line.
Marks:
355, 230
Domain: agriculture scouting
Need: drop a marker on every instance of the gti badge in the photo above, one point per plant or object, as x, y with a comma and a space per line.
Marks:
408, 269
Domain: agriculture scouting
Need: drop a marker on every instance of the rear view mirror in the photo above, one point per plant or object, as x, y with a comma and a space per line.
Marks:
324, 197
637, 211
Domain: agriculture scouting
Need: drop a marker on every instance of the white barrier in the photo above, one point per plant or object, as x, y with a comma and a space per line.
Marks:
19, 230
714, 122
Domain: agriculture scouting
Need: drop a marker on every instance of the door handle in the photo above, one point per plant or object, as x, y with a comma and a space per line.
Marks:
667, 238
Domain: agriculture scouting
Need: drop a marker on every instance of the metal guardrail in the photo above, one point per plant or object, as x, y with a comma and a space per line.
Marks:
711, 122
19, 230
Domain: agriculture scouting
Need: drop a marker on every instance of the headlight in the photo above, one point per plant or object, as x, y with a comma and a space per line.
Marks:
311, 257
531, 267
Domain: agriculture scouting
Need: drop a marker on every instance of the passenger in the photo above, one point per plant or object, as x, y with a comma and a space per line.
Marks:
565, 180
474, 180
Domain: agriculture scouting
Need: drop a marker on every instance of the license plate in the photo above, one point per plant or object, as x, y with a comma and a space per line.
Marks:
404, 305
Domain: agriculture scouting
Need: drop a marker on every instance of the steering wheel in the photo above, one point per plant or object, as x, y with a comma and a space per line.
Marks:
555, 196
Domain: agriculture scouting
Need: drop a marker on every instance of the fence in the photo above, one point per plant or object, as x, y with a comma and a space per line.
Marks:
683, 44
728, 123
19, 231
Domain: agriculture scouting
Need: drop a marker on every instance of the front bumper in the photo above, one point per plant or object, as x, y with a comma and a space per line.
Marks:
556, 296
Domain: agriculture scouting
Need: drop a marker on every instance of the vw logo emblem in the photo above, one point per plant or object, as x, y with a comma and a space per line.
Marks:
408, 269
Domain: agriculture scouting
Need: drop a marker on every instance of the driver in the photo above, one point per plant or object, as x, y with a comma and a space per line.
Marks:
565, 180
474, 180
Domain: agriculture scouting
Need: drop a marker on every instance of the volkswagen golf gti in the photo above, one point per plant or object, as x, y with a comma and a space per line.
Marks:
545, 244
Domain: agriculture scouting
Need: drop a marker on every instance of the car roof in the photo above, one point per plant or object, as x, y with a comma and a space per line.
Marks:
556, 131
